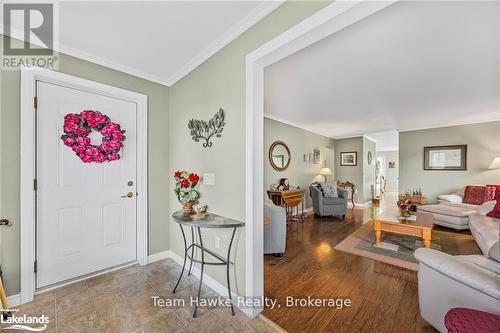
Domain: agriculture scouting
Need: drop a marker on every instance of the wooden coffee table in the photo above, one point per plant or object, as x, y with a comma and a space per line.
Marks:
419, 225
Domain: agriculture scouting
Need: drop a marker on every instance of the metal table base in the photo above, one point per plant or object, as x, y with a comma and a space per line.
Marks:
220, 260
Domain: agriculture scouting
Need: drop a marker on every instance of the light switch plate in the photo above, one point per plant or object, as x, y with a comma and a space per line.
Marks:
208, 179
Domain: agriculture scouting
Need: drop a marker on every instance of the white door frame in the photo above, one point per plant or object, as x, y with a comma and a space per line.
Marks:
325, 22
29, 76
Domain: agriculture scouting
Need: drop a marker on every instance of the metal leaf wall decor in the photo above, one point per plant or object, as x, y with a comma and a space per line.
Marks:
200, 129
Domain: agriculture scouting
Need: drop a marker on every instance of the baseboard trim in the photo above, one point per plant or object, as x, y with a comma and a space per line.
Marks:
214, 285
272, 324
359, 205
14, 300
158, 256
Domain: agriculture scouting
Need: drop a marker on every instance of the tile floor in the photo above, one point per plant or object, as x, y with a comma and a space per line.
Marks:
120, 301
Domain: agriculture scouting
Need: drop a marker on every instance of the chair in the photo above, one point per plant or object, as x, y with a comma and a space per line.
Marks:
275, 230
293, 199
328, 206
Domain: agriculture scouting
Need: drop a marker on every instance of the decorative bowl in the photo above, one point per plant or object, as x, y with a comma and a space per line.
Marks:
199, 209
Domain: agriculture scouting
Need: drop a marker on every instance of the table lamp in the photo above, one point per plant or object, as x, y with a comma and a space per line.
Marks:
325, 172
495, 164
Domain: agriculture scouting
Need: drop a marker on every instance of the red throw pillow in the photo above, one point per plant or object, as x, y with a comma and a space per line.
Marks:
497, 193
478, 194
496, 211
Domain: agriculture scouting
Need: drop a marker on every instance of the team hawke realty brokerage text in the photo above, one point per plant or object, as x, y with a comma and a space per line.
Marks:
248, 302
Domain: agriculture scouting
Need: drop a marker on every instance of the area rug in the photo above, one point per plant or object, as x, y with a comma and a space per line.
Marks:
361, 242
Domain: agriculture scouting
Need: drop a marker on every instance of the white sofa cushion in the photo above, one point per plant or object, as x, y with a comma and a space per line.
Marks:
460, 205
486, 207
485, 231
445, 209
453, 198
469, 270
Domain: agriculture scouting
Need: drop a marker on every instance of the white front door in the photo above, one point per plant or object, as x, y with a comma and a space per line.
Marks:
84, 224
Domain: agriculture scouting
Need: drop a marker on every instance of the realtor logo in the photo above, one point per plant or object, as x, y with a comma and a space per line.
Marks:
29, 35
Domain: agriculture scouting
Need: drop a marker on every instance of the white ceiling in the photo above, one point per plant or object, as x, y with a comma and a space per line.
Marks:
385, 141
412, 65
161, 41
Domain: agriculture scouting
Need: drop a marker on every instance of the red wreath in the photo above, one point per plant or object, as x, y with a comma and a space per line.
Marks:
77, 128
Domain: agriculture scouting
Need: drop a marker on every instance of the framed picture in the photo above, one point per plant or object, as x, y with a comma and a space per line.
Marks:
392, 164
445, 157
349, 158
316, 155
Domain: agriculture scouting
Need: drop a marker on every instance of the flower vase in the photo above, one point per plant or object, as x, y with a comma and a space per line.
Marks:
187, 208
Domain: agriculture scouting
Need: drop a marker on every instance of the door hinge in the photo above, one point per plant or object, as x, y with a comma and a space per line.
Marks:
35, 102
35, 184
35, 268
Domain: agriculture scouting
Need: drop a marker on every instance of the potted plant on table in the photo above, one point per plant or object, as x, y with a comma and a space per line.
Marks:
185, 189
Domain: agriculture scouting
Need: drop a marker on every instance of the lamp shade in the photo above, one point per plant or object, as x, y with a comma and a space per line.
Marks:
325, 172
495, 164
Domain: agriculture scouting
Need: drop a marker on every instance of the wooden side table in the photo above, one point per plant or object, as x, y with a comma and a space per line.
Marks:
346, 185
415, 199
276, 197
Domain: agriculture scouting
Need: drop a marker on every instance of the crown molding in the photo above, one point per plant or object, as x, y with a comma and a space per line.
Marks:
452, 124
61, 48
291, 123
227, 37
369, 138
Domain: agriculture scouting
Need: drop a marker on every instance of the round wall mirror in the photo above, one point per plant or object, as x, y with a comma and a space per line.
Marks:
279, 156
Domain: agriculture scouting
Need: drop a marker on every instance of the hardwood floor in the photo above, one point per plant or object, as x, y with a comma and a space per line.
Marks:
384, 297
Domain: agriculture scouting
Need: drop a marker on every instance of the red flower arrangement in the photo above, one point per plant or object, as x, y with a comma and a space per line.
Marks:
404, 207
77, 128
185, 189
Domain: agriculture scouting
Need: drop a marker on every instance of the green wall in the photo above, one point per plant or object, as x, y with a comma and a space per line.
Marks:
299, 141
158, 186
220, 83
354, 174
483, 141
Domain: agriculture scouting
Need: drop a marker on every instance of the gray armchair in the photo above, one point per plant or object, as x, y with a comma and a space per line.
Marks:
328, 206
275, 231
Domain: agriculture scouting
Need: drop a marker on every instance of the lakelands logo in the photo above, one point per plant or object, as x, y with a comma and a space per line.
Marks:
29, 35
24, 322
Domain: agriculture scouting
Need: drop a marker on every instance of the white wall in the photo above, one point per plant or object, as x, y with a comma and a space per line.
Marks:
391, 174
368, 169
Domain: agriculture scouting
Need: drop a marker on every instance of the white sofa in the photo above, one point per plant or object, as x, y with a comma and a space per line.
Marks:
451, 212
454, 216
486, 233
471, 281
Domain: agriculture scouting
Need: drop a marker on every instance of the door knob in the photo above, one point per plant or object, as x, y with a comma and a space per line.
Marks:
128, 195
